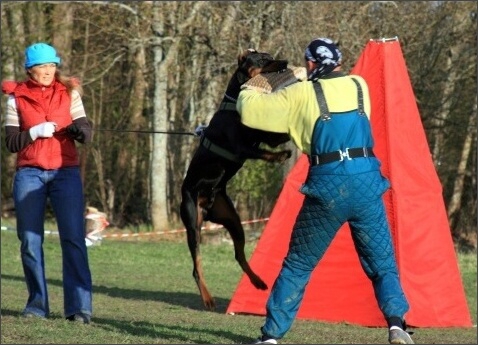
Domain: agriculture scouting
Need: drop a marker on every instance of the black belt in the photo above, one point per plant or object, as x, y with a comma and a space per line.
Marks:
340, 155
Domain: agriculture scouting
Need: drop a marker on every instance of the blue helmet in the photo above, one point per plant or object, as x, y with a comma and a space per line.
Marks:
40, 53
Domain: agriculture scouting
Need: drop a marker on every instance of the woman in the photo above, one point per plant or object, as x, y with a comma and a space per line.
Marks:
45, 116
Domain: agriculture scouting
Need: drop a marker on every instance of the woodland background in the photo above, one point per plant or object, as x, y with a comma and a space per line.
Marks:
163, 66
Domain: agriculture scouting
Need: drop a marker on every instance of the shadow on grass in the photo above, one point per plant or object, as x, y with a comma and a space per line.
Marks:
182, 299
185, 334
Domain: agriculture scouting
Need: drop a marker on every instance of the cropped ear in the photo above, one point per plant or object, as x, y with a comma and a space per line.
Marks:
241, 57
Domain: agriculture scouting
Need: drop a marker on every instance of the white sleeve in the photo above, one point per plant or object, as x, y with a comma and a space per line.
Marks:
76, 110
11, 117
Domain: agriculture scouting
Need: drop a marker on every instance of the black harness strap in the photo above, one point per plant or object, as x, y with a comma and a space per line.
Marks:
227, 106
219, 150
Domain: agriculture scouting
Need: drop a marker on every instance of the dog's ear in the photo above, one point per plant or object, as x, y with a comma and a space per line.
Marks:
242, 57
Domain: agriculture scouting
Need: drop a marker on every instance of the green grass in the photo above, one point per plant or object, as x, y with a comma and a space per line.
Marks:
144, 293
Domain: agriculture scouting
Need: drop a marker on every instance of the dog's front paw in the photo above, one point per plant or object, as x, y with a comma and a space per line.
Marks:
288, 153
282, 156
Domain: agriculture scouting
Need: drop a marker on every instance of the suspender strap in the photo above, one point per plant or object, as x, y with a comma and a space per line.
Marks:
349, 153
324, 109
360, 97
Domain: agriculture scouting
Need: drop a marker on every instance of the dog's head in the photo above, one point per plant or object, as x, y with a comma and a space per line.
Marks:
251, 62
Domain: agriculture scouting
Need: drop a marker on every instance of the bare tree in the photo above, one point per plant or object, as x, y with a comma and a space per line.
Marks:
163, 60
163, 66
458, 186
62, 35
12, 69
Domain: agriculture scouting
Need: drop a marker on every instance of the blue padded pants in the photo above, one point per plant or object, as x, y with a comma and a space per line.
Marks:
316, 226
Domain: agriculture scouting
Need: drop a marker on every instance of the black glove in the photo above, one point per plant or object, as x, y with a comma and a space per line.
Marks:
74, 131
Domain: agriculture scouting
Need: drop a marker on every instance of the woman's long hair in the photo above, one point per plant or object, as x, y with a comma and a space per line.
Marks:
71, 83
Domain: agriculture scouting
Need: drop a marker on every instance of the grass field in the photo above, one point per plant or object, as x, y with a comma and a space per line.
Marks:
144, 294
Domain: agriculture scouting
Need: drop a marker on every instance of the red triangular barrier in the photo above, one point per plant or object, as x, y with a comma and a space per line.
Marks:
338, 290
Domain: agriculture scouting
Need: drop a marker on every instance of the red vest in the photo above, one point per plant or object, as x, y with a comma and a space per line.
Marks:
37, 104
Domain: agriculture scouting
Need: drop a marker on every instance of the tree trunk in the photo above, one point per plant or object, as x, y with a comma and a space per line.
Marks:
162, 62
12, 69
131, 155
62, 19
455, 200
159, 216
454, 57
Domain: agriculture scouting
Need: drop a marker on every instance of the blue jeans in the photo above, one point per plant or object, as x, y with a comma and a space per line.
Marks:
63, 187
315, 228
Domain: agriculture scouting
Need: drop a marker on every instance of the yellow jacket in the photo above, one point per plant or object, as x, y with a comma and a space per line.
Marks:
294, 109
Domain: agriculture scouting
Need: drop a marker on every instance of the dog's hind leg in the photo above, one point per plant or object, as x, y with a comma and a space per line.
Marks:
197, 194
192, 217
224, 213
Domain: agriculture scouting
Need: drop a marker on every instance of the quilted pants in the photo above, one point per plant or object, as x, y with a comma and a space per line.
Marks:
338, 199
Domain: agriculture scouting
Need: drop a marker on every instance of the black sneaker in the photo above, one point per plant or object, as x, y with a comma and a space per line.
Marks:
80, 317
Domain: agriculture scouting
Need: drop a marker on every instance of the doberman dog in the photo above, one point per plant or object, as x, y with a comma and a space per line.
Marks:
224, 146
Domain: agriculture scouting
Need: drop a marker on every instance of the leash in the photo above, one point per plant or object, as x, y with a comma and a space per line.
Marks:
143, 131
135, 131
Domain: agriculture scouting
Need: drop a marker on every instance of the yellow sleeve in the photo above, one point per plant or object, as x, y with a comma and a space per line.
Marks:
268, 112
291, 110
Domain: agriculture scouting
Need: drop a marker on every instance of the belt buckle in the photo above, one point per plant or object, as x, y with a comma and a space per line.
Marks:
365, 151
344, 154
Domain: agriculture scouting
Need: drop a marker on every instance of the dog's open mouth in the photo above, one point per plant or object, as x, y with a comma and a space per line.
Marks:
274, 66
264, 61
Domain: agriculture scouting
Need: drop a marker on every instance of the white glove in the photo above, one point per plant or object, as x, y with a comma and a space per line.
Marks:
43, 130
200, 130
